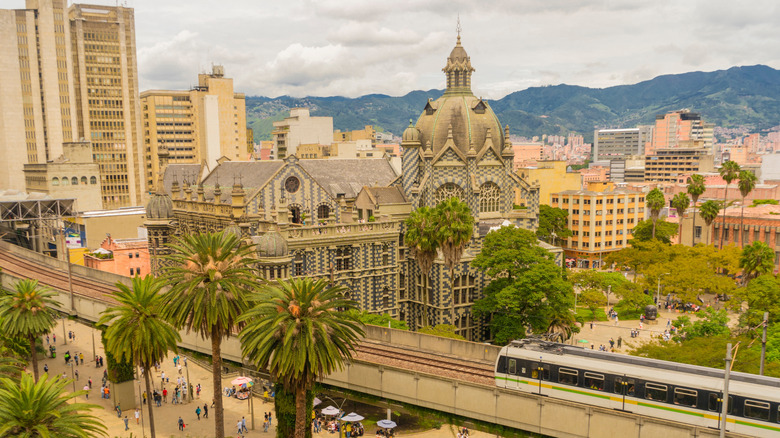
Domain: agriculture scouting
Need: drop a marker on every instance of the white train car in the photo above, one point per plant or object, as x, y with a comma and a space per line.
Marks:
679, 392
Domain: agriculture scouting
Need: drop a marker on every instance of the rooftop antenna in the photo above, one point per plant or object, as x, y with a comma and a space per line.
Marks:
458, 28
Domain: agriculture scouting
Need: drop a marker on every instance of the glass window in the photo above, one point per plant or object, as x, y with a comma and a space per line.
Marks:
685, 397
55, 181
654, 391
536, 368
594, 381
93, 180
74, 181
713, 403
84, 180
756, 409
567, 376
512, 366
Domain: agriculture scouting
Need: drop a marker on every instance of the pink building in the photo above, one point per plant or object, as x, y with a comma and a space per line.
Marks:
527, 154
128, 257
595, 173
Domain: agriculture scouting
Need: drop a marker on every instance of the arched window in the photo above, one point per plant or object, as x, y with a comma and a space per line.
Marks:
74, 181
84, 180
323, 211
93, 180
447, 191
489, 198
65, 181
55, 181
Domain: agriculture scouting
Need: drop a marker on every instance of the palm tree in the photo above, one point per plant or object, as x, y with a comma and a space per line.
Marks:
136, 329
41, 409
655, 201
680, 202
422, 240
746, 184
210, 278
729, 171
455, 226
300, 330
709, 211
756, 259
696, 188
27, 312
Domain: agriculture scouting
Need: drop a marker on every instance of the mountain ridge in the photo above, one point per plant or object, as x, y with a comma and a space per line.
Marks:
738, 96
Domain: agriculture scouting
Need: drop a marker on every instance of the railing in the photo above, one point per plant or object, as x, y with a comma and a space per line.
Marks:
341, 229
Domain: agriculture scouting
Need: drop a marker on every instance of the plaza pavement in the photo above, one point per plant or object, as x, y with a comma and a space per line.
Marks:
167, 415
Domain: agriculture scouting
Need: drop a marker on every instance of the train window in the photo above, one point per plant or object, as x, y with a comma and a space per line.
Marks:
501, 366
536, 367
685, 397
756, 409
714, 403
654, 391
512, 366
625, 386
568, 376
594, 381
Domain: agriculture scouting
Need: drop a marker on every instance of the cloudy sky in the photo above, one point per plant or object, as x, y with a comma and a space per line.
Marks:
356, 47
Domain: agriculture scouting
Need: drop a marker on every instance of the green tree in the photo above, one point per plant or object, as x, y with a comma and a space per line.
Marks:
136, 330
455, 226
696, 188
553, 224
296, 330
31, 409
421, 238
729, 171
711, 323
442, 330
526, 288
27, 312
681, 202
592, 299
632, 299
664, 230
210, 278
761, 295
746, 184
709, 211
756, 259
655, 201
380, 319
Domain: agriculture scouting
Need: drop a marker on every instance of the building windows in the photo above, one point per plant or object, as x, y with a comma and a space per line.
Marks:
489, 198
343, 258
565, 200
93, 180
55, 181
555, 200
463, 290
575, 212
323, 211
447, 191
298, 264
697, 232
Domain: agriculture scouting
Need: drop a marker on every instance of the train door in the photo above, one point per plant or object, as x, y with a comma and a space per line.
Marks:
715, 405
625, 387
512, 369
540, 375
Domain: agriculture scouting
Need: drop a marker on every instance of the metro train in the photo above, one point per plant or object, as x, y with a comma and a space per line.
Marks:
673, 391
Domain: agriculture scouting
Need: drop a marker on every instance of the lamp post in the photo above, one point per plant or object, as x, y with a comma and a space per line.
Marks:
658, 291
341, 429
763, 342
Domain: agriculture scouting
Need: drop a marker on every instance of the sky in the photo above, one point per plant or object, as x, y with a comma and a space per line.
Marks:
356, 47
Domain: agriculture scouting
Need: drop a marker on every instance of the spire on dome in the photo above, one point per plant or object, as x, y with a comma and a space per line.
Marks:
458, 69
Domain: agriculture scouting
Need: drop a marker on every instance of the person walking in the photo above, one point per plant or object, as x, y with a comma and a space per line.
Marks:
620, 341
205, 410
86, 388
126, 426
165, 395
243, 424
118, 410
197, 412
81, 358
239, 427
181, 424
76, 372
45, 368
90, 383
137, 415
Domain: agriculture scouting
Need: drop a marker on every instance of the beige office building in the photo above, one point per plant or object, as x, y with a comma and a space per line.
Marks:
106, 82
36, 88
667, 165
300, 128
74, 174
202, 125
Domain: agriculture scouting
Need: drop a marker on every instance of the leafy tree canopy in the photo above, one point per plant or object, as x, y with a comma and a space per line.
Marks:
552, 220
711, 323
664, 231
443, 330
761, 295
592, 299
381, 320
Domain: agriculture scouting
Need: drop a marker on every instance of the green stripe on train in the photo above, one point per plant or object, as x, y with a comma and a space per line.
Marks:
644, 404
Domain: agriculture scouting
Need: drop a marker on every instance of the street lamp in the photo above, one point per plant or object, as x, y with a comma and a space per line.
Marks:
658, 292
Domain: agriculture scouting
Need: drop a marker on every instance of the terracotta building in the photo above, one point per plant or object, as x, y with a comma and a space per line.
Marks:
128, 257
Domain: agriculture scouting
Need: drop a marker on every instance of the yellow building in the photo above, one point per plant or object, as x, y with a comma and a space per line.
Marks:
367, 133
601, 219
200, 125
552, 177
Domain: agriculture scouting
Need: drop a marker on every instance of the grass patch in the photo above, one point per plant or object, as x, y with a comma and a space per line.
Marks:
584, 314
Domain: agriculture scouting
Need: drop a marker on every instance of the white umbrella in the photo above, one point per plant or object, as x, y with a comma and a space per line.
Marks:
330, 410
238, 381
351, 417
386, 424
317, 401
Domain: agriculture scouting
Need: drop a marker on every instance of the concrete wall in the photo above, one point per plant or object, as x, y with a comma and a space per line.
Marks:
433, 344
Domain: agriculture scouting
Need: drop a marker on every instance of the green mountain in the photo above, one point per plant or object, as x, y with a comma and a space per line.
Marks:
740, 96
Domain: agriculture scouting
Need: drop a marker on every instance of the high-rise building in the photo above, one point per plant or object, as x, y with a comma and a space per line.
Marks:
106, 84
667, 164
610, 144
301, 128
197, 126
681, 129
36, 88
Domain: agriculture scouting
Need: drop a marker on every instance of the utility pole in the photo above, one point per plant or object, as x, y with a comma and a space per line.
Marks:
763, 343
725, 403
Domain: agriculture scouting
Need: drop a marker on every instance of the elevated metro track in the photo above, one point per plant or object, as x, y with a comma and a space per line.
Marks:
437, 373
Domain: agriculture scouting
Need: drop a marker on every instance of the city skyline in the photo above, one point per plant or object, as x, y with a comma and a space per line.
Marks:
352, 48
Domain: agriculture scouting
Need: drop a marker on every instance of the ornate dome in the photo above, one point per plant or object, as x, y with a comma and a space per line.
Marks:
270, 244
233, 229
160, 207
411, 134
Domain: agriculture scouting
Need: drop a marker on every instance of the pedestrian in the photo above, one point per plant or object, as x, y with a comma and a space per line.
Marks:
243, 424
54, 338
101, 361
90, 383
76, 372
81, 358
64, 376
181, 424
162, 378
74, 336
205, 410
616, 320
86, 388
126, 426
611, 343
45, 368
47, 339
197, 412
620, 341
269, 418
239, 427
118, 410
165, 395
137, 415
198, 390
97, 361
144, 397
70, 335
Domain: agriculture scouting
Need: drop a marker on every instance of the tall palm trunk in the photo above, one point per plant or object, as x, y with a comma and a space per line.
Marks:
34, 357
654, 222
149, 402
426, 279
452, 294
300, 410
216, 375
693, 230
723, 222
742, 225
